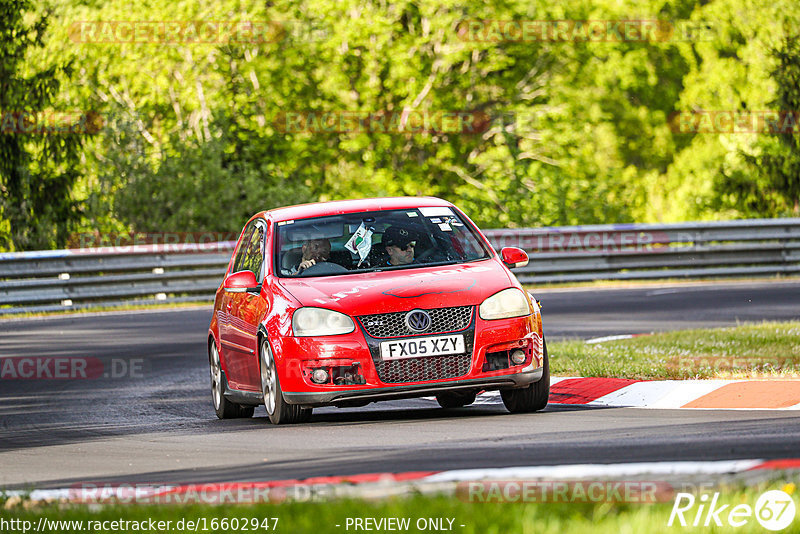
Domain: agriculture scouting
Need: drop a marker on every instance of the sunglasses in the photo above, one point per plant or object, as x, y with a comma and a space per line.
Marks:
408, 246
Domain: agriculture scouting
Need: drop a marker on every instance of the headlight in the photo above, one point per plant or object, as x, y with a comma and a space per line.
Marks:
507, 303
320, 322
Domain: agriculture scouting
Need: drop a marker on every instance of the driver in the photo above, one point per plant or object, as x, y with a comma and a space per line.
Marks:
399, 245
314, 251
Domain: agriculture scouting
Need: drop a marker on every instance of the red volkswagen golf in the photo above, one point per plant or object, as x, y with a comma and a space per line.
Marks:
351, 302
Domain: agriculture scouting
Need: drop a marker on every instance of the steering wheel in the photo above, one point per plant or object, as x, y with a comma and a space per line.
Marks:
324, 267
424, 255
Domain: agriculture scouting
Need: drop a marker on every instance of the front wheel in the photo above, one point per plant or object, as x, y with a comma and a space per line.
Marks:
279, 411
532, 398
224, 408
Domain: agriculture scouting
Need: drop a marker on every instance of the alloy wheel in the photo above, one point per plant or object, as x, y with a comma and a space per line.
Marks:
268, 377
216, 377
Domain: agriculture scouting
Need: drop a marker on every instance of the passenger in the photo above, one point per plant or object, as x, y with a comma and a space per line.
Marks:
399, 245
314, 251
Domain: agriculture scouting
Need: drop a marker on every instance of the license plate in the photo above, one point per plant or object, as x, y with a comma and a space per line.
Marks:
420, 347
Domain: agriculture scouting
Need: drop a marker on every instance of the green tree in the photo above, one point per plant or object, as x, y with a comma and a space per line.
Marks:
773, 186
580, 131
37, 170
720, 175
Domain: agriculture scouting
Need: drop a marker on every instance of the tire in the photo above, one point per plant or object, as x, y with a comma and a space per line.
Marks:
532, 398
224, 408
455, 399
278, 410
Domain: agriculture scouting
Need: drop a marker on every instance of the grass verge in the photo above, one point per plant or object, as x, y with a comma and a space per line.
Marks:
109, 308
765, 350
658, 282
453, 514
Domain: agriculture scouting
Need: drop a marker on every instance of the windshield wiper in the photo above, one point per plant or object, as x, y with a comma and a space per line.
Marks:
437, 263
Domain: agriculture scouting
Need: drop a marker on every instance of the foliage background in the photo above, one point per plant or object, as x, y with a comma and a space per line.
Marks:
190, 144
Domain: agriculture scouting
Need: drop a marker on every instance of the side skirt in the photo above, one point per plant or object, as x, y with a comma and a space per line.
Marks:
248, 398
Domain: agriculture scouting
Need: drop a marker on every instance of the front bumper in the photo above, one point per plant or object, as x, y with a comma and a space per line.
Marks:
523, 378
358, 353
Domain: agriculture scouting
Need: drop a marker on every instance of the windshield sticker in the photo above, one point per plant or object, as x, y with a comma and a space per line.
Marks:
360, 243
285, 222
445, 227
412, 213
436, 220
436, 211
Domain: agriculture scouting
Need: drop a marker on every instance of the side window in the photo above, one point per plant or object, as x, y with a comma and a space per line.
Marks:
254, 255
238, 263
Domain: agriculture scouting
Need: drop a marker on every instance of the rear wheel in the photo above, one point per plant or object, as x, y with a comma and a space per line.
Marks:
224, 408
532, 398
279, 411
455, 399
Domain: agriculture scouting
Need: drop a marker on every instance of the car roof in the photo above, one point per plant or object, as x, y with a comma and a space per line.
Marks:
339, 207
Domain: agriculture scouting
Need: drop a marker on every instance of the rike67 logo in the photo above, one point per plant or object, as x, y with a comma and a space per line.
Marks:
774, 510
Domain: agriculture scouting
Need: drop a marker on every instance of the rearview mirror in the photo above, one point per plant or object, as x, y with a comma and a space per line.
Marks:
241, 282
514, 257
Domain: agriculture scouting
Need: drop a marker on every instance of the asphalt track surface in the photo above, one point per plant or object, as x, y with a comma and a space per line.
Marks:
159, 427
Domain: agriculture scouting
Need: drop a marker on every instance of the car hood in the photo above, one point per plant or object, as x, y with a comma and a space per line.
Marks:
391, 291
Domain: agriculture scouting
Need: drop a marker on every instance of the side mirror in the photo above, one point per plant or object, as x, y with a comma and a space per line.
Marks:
514, 257
240, 282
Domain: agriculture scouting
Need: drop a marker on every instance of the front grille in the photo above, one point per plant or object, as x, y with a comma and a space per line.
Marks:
421, 369
394, 324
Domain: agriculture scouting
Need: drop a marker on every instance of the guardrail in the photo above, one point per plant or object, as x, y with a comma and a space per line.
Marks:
137, 274
94, 277
754, 247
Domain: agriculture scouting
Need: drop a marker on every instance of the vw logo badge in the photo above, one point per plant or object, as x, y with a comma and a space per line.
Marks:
418, 320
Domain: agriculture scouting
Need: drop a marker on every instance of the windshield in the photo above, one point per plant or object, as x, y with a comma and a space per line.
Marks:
373, 241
